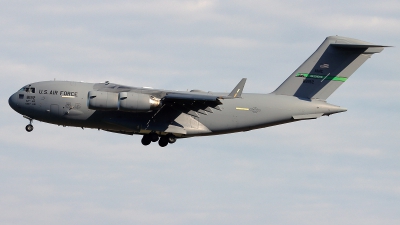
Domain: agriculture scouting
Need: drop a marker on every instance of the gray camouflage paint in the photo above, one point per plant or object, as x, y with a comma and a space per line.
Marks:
298, 98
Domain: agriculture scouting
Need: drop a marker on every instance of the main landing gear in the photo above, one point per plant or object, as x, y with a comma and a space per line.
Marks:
29, 127
162, 141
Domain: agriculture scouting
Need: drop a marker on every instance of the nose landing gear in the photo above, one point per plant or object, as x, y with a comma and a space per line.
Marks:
29, 127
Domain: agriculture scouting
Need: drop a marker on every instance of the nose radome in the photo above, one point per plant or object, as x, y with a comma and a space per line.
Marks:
11, 101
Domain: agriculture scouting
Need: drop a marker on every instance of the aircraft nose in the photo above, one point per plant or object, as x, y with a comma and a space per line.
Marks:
12, 103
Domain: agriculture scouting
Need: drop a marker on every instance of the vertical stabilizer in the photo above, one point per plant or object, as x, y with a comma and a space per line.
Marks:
328, 67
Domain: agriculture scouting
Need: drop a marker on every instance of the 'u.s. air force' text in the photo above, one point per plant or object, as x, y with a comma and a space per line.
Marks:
54, 92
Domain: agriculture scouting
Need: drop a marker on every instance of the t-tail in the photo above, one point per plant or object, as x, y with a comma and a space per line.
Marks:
331, 64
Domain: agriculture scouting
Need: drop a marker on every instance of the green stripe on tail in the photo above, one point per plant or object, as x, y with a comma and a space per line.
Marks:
316, 76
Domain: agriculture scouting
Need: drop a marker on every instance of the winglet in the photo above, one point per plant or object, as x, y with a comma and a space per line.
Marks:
237, 91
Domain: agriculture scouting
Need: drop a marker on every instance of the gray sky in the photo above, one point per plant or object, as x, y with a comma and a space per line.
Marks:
342, 169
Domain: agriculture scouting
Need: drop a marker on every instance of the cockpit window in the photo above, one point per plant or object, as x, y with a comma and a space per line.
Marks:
28, 89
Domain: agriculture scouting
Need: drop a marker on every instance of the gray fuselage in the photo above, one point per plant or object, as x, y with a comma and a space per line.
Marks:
65, 103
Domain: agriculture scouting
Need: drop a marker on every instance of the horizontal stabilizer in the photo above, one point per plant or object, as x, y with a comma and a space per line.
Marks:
359, 46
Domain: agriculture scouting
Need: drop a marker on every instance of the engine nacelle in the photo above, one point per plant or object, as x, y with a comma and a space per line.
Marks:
99, 100
136, 102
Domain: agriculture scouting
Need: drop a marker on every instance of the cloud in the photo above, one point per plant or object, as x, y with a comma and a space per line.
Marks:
338, 169
154, 7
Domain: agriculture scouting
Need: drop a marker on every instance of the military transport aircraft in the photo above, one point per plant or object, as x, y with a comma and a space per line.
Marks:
164, 116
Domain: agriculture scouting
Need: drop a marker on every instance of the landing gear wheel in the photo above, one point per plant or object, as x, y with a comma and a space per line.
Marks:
146, 140
171, 138
153, 137
163, 141
29, 128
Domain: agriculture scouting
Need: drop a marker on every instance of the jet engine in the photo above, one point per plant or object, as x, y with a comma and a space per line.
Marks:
136, 102
123, 101
99, 100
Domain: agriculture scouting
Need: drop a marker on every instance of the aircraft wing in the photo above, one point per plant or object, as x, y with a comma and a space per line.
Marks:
195, 103
195, 96
191, 97
192, 103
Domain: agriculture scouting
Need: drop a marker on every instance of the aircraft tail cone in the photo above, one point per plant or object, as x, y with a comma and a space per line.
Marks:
334, 109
